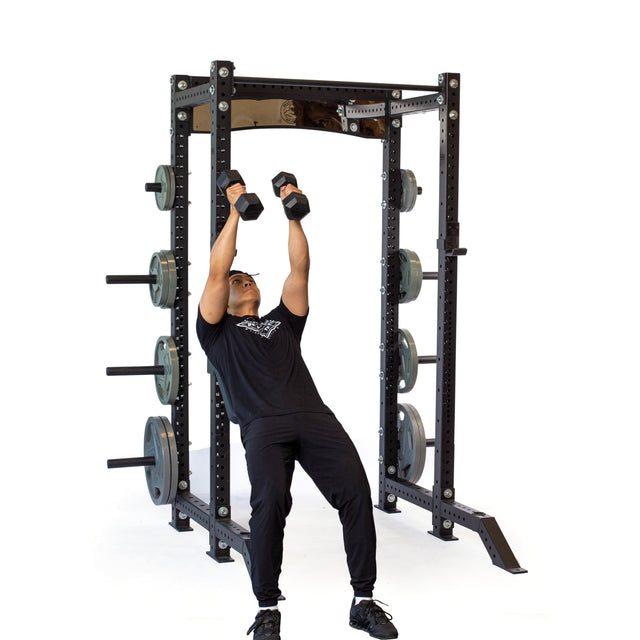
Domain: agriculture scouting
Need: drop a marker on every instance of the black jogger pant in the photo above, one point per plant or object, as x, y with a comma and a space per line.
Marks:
327, 454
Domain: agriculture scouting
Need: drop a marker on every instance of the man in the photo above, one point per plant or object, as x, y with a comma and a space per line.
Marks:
269, 392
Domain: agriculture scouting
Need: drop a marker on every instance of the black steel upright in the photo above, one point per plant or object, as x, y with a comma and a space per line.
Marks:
180, 132
390, 293
448, 251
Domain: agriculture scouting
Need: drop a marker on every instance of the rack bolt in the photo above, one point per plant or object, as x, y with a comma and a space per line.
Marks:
383, 204
395, 123
212, 89
380, 431
182, 85
391, 498
182, 485
223, 512
453, 115
382, 346
223, 72
222, 545
447, 493
440, 78
223, 106
182, 115
171, 79
340, 111
453, 83
182, 516
447, 524
382, 290
384, 175
391, 470
383, 262
380, 459
381, 376
395, 94
440, 100
354, 127
170, 132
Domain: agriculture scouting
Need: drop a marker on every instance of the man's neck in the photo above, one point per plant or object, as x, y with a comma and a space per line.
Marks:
239, 312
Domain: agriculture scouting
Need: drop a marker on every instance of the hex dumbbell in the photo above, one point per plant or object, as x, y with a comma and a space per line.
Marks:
296, 205
248, 205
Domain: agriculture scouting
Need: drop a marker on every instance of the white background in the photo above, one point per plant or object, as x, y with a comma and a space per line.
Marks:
547, 327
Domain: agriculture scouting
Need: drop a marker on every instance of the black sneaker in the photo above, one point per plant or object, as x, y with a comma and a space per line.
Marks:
369, 617
266, 625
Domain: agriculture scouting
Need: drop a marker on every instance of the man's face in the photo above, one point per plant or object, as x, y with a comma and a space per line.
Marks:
242, 289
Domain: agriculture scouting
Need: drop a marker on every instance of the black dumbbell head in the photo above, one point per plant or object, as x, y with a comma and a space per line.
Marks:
227, 178
296, 206
249, 206
282, 179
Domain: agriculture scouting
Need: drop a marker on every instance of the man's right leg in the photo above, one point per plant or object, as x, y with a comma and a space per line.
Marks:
270, 456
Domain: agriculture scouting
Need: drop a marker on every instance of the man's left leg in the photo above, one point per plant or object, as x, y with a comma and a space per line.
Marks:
330, 458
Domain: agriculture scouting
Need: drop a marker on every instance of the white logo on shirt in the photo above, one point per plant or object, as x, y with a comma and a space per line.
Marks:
264, 328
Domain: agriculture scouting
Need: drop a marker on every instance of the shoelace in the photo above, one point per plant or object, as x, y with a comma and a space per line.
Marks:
265, 618
379, 615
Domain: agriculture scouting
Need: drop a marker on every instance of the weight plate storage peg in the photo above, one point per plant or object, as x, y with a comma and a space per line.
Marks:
162, 279
410, 276
160, 460
412, 453
166, 355
163, 290
164, 187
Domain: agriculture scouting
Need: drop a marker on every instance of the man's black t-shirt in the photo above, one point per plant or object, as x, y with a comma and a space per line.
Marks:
259, 364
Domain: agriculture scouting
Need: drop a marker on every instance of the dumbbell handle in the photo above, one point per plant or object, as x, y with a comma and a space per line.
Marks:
148, 279
157, 370
118, 463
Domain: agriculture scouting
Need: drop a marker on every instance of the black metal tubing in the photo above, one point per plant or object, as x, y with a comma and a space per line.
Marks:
180, 132
221, 79
120, 463
350, 87
390, 292
192, 507
154, 370
448, 236
148, 279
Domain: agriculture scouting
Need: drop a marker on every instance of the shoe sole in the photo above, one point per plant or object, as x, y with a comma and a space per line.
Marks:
355, 625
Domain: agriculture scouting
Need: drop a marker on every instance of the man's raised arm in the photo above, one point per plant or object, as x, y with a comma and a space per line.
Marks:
214, 300
295, 293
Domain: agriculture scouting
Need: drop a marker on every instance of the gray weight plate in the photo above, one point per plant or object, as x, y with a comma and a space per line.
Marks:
409, 190
408, 373
410, 276
412, 453
160, 442
163, 267
166, 354
166, 177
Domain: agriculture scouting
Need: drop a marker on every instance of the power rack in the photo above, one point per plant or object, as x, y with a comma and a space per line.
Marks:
222, 103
